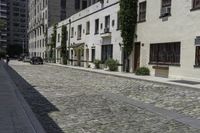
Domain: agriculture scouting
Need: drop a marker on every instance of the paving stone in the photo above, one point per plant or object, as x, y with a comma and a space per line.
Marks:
76, 105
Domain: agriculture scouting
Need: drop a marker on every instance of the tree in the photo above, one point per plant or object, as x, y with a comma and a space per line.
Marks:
63, 45
53, 43
2, 24
128, 22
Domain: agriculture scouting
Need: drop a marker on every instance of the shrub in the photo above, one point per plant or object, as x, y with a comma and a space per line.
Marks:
97, 63
143, 71
112, 64
2, 53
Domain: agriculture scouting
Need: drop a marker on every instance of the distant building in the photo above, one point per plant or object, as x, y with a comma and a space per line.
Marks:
43, 14
3, 17
14, 36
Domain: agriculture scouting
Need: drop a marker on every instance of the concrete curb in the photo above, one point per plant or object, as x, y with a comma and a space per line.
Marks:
27, 113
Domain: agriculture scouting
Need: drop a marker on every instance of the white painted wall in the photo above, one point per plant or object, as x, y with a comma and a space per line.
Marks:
91, 14
183, 25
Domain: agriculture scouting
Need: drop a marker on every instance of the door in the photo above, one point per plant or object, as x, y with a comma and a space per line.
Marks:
79, 57
87, 57
136, 56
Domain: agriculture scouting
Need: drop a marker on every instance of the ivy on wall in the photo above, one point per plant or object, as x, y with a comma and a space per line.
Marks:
63, 45
53, 43
2, 24
128, 22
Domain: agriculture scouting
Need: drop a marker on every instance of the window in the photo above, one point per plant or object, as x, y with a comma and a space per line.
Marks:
165, 53
58, 37
93, 54
166, 8
106, 52
118, 21
97, 26
196, 4
84, 4
107, 24
197, 57
72, 32
77, 4
66, 35
79, 32
142, 11
88, 27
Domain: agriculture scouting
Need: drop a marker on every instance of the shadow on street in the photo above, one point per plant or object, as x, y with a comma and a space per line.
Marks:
38, 103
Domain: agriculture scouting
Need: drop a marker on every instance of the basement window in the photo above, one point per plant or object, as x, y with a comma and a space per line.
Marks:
195, 4
165, 53
197, 57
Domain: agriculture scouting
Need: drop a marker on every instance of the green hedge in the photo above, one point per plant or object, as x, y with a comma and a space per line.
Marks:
112, 64
97, 63
143, 71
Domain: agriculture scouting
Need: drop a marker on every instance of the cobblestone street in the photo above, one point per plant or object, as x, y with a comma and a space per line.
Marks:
71, 101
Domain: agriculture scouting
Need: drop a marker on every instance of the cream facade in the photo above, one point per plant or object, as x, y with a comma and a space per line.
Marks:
181, 25
166, 41
90, 31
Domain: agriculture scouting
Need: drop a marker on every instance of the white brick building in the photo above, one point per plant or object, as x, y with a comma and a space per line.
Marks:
167, 37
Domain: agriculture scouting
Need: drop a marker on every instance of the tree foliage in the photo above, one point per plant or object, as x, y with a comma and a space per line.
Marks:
63, 44
128, 21
53, 42
2, 24
63, 41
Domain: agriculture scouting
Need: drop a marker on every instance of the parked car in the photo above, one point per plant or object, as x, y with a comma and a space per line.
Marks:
20, 58
26, 59
36, 60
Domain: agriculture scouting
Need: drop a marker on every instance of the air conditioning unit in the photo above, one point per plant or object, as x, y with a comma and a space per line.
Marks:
106, 30
165, 11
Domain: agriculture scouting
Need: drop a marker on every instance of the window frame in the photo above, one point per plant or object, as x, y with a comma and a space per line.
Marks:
169, 6
168, 53
197, 56
87, 27
96, 27
142, 11
194, 6
106, 52
79, 32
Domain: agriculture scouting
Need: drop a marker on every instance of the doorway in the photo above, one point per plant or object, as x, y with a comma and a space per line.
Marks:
137, 56
79, 57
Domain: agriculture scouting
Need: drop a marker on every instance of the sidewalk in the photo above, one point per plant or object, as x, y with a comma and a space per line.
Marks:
15, 114
167, 81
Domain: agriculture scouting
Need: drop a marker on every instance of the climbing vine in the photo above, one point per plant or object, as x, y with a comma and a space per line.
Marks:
53, 43
128, 21
63, 45
2, 24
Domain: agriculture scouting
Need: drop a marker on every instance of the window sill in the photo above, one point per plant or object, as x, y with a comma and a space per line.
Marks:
164, 64
196, 66
194, 9
163, 67
87, 33
169, 15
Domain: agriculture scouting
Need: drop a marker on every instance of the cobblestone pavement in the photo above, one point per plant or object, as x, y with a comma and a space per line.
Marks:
72, 99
